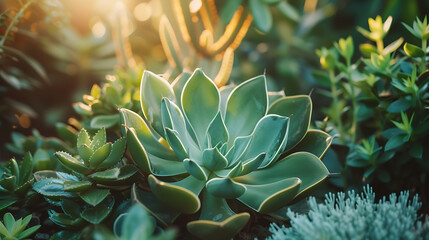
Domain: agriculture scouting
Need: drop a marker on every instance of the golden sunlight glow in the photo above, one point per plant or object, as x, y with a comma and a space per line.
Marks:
97, 27
143, 11
195, 6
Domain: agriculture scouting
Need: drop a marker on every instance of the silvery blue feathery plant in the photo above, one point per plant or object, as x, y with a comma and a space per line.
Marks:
219, 145
357, 216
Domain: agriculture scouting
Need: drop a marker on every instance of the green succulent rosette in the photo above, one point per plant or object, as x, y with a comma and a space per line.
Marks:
202, 146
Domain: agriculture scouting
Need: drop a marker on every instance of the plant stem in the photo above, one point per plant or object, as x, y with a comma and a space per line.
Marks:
336, 106
380, 45
354, 102
13, 21
424, 46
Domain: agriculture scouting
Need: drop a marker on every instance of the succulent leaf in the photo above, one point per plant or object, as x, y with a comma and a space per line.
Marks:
299, 109
98, 140
100, 155
181, 196
72, 163
246, 104
316, 142
225, 188
118, 149
142, 131
294, 165
269, 197
270, 136
197, 171
200, 89
152, 89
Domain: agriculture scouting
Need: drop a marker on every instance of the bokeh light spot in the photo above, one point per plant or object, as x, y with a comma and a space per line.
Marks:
142, 12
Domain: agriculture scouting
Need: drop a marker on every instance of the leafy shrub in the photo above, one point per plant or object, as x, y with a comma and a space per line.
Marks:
379, 103
356, 216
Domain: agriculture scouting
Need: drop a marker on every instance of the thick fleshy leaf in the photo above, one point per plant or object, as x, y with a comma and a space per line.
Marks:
110, 174
270, 136
246, 105
85, 152
181, 196
261, 15
253, 164
213, 159
178, 85
195, 170
94, 195
73, 186
83, 138
316, 142
200, 102
100, 155
173, 118
164, 214
175, 143
218, 221
97, 214
118, 149
225, 188
72, 163
105, 121
98, 140
131, 119
153, 88
233, 171
299, 109
150, 163
52, 188
216, 132
26, 168
237, 149
138, 152
303, 165
413, 51
269, 197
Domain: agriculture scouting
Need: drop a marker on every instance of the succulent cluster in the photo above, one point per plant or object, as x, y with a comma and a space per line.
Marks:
94, 173
222, 145
15, 181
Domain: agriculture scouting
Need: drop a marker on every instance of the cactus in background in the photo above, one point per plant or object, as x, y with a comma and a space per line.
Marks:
193, 35
221, 145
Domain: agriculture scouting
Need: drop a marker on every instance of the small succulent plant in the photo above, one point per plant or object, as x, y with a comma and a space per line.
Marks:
100, 107
11, 229
221, 145
95, 170
15, 181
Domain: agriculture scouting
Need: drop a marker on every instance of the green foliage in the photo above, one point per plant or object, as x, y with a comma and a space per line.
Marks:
384, 97
100, 107
357, 216
96, 169
221, 149
15, 181
138, 224
11, 229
